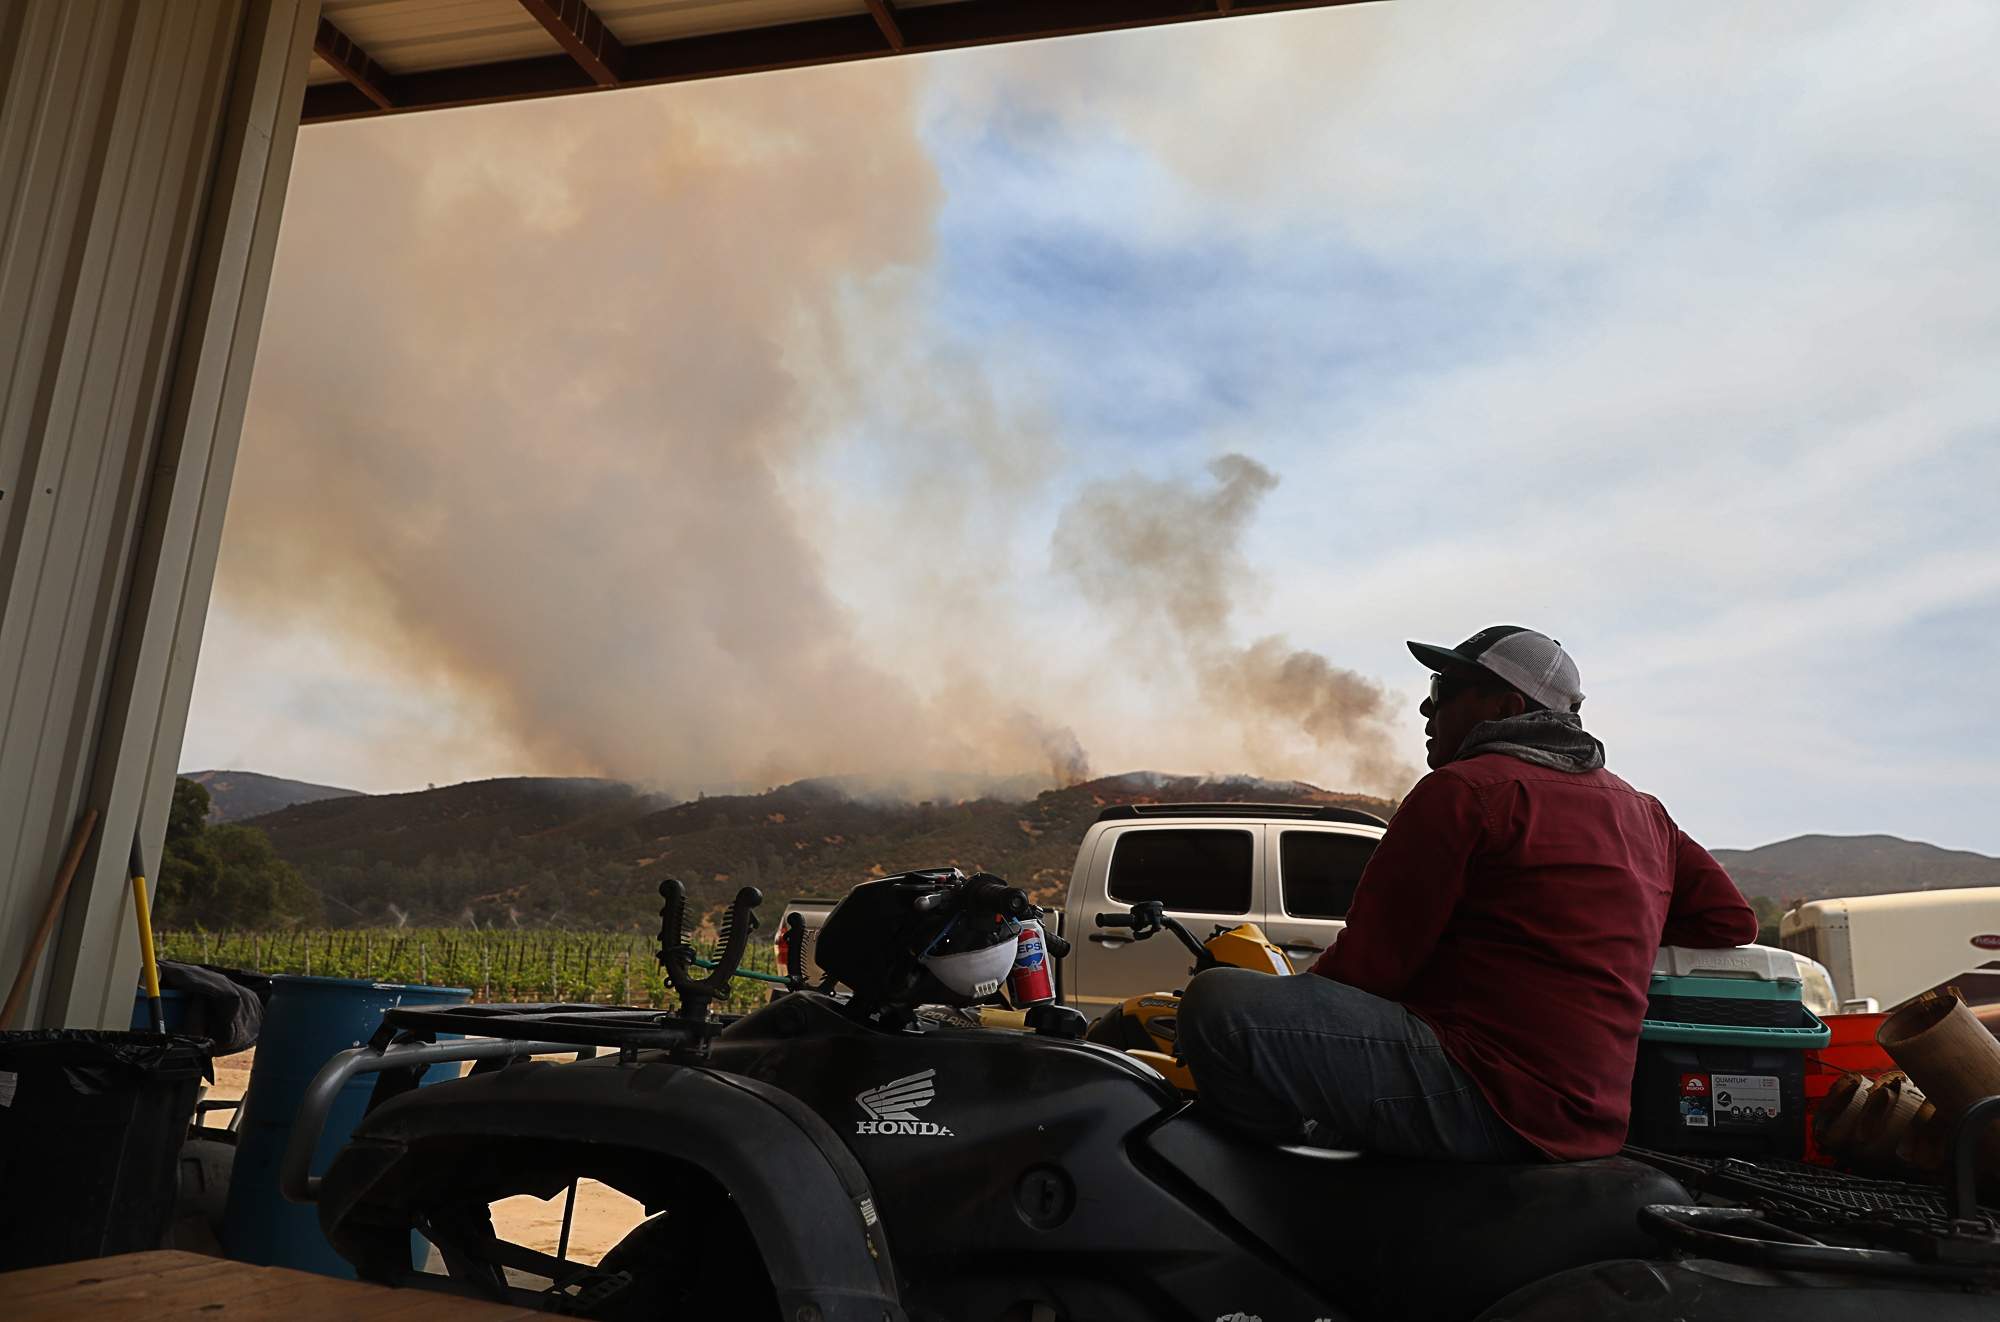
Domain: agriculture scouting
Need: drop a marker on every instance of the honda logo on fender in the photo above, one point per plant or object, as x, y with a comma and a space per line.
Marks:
892, 1107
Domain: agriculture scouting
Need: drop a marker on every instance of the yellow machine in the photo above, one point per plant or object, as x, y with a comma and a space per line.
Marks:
1146, 1026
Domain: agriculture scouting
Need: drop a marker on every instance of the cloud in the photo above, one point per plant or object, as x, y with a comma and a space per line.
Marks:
1667, 329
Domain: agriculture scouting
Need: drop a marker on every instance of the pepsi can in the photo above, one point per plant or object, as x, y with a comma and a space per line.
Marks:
1029, 983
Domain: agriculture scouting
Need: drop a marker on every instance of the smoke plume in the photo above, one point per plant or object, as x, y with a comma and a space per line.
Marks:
542, 396
1165, 560
535, 386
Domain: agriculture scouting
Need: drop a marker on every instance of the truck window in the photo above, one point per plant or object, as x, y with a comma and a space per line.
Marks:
1193, 871
1317, 871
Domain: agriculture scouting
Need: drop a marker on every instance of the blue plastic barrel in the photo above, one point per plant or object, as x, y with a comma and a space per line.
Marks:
307, 1021
173, 1004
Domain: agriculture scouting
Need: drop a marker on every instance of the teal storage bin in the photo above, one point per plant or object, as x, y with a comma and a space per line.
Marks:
1724, 1089
1799, 1037
1738, 1002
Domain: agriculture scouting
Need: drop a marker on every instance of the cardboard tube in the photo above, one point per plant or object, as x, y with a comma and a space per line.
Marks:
1924, 1143
1943, 1047
1886, 1117
1951, 1055
1841, 1110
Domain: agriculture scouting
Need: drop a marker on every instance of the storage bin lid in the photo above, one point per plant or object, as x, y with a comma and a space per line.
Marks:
1755, 963
1813, 1033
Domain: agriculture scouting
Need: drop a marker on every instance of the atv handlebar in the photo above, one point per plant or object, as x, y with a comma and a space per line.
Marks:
1150, 916
1144, 918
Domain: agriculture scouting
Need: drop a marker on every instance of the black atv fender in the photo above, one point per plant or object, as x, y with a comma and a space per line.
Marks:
803, 1195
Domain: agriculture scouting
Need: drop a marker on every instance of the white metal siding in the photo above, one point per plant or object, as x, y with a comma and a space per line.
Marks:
144, 149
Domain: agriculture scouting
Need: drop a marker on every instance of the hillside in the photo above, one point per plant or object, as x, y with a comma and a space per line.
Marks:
235, 795
591, 852
586, 852
1813, 867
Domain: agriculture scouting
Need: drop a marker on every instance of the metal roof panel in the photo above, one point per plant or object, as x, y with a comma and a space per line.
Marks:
635, 22
405, 36
408, 55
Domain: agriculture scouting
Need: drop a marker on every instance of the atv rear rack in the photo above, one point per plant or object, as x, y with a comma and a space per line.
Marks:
406, 1045
1819, 1191
623, 1028
295, 1178
1795, 1187
1788, 1215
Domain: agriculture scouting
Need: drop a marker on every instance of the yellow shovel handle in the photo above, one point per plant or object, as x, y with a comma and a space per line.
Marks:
146, 937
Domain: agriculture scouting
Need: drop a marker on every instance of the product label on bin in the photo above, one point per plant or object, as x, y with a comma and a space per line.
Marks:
1745, 1099
1694, 1101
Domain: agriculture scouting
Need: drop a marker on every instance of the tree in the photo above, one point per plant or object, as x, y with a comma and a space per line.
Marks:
190, 873
227, 875
1768, 911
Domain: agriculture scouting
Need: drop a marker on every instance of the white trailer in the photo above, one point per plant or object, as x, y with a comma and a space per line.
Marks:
1890, 948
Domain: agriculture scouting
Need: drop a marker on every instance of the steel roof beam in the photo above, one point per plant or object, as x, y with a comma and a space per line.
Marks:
352, 63
578, 29
786, 46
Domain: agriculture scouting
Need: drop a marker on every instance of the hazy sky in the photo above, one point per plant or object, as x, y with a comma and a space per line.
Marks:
1129, 400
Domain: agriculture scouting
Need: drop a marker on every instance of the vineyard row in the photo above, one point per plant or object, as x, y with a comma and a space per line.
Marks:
609, 968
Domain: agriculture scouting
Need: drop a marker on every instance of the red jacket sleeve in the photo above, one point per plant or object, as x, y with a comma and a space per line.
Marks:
1707, 910
1409, 888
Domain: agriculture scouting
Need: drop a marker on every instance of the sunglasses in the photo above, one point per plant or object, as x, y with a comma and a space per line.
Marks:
1445, 687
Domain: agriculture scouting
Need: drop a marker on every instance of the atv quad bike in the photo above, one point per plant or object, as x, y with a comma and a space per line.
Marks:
829, 1158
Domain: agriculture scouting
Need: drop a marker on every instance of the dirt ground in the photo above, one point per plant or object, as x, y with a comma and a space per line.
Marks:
601, 1218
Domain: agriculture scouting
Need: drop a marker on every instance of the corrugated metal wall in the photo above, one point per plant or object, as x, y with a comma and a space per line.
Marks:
144, 151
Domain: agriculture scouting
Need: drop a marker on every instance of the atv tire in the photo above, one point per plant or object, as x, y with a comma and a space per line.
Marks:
690, 1265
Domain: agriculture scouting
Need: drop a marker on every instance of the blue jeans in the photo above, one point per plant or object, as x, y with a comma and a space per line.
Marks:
1305, 1059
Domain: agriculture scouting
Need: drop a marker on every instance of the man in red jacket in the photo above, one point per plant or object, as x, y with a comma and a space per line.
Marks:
1483, 1003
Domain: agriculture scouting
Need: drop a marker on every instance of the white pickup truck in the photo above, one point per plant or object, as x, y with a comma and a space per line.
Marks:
1291, 868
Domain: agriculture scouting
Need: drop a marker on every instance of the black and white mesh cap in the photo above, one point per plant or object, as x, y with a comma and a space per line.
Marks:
1532, 662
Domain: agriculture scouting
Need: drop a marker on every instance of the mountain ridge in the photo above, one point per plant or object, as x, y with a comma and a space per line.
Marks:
543, 849
528, 849
1820, 866
234, 796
